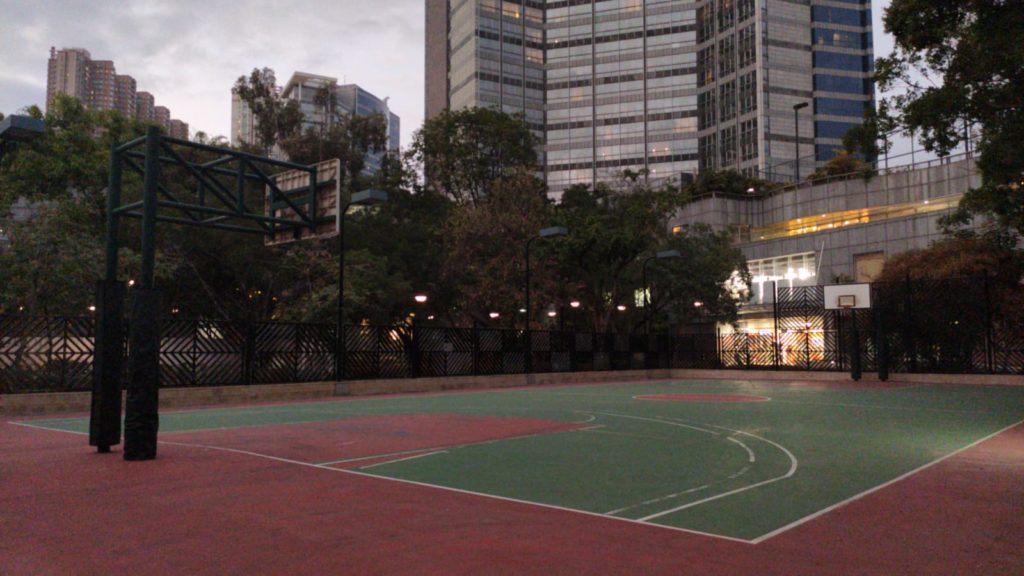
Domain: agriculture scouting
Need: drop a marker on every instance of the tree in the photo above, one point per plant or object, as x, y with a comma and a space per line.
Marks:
463, 153
276, 118
725, 182
350, 138
960, 63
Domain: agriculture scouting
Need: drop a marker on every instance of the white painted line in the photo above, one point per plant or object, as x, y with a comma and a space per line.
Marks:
590, 419
742, 471
375, 456
669, 422
792, 470
750, 453
27, 425
855, 497
458, 491
403, 459
653, 500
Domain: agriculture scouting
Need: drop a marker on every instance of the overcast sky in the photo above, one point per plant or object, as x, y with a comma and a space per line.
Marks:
188, 53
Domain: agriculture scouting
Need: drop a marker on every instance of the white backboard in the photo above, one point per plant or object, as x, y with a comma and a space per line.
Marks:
859, 295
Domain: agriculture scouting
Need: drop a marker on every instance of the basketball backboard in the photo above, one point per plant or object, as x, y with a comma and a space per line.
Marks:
295, 185
847, 296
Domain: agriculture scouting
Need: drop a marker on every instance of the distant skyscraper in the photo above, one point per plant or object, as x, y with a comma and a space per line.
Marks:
665, 86
97, 85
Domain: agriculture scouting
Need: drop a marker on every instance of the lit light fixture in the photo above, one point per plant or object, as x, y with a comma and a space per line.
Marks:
420, 298
494, 315
431, 317
552, 313
621, 307
574, 304
751, 190
698, 304
522, 310
131, 283
92, 308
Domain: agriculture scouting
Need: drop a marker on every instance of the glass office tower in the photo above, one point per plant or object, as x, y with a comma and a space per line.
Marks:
663, 86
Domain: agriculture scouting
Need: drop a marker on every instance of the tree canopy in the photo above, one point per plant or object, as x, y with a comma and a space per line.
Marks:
959, 66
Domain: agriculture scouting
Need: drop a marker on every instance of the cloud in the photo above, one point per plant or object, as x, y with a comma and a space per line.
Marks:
188, 53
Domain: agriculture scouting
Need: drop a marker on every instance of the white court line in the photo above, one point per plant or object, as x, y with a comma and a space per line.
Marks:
886, 407
792, 470
404, 459
670, 423
455, 490
824, 511
742, 471
27, 425
653, 500
750, 453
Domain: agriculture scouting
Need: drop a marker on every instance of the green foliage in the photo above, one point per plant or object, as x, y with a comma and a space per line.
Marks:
962, 62
464, 153
276, 117
349, 138
843, 163
728, 182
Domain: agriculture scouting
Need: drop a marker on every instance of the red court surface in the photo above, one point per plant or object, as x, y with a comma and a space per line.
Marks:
66, 510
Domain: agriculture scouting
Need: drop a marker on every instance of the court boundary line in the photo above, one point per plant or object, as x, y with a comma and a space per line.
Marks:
855, 497
755, 541
451, 489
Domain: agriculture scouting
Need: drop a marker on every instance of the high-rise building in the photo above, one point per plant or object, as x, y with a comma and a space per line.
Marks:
316, 95
124, 96
144, 105
162, 116
178, 129
97, 85
663, 86
67, 72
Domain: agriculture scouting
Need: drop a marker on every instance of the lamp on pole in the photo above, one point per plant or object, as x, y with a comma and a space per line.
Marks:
362, 198
796, 129
16, 128
552, 232
664, 254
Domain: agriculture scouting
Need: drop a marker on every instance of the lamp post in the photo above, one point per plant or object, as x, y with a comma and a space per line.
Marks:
796, 129
16, 128
664, 254
362, 198
552, 232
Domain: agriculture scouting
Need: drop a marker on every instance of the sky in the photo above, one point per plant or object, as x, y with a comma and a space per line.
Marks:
188, 53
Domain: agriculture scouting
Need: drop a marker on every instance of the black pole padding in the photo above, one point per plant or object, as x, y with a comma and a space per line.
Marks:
882, 348
855, 371
141, 419
108, 358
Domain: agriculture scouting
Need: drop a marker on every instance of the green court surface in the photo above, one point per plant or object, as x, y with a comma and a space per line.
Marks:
743, 470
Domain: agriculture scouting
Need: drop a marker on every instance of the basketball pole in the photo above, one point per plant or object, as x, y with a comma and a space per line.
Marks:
855, 371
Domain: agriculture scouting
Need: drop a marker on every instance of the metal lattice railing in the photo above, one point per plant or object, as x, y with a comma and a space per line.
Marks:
947, 326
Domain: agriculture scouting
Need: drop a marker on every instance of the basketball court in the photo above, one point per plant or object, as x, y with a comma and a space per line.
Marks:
724, 477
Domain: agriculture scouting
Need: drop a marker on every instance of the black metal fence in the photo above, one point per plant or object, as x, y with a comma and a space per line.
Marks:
949, 326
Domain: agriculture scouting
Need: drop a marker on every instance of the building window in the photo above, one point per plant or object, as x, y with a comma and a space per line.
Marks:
748, 47
706, 66
748, 92
840, 39
726, 56
836, 61
727, 101
706, 152
728, 148
748, 140
725, 14
839, 107
826, 83
745, 9
705, 23
706, 110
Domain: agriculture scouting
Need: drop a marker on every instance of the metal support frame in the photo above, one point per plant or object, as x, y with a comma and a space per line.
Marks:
215, 203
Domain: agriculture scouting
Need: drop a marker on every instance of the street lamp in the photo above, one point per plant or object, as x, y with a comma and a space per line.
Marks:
664, 254
552, 232
18, 129
796, 128
362, 198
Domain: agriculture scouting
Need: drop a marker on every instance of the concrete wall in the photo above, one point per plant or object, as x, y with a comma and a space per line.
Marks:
837, 248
